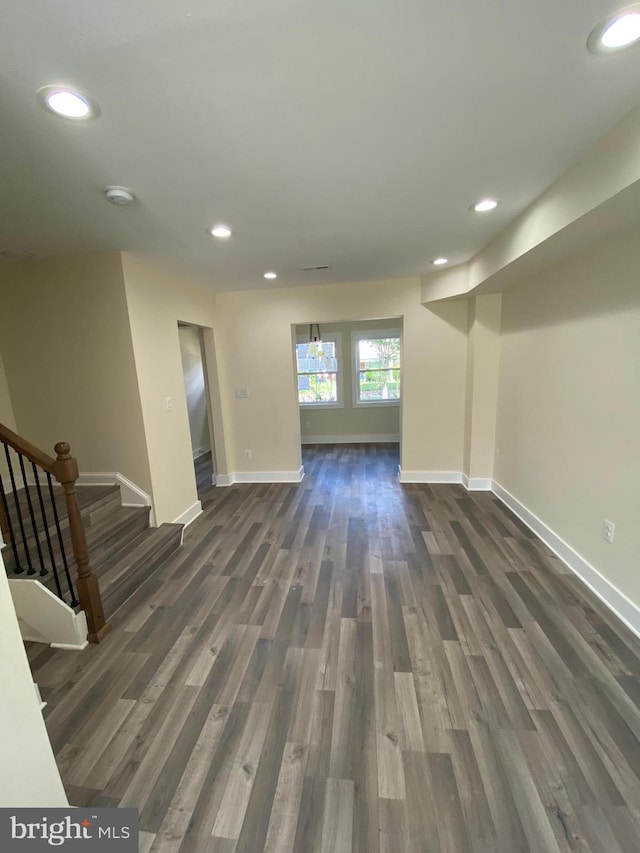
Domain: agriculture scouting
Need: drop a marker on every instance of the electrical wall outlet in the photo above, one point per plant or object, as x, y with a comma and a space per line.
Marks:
248, 454
307, 424
168, 403
608, 530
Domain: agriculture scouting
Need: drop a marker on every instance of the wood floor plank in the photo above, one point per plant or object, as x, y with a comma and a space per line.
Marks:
337, 826
353, 664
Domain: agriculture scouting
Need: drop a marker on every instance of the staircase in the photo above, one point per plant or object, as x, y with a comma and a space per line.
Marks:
123, 549
74, 553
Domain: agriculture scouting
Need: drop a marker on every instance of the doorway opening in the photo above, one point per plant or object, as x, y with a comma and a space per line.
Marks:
349, 381
194, 374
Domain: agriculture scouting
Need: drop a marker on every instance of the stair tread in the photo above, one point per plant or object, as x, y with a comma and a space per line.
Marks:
91, 499
123, 550
104, 537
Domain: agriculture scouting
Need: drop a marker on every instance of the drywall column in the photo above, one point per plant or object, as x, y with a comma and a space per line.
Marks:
30, 776
483, 357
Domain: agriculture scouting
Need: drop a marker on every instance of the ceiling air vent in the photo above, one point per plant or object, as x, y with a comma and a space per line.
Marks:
318, 267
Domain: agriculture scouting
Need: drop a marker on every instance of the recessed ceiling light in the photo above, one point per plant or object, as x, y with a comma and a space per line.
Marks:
438, 262
67, 103
271, 275
119, 195
220, 231
618, 32
484, 205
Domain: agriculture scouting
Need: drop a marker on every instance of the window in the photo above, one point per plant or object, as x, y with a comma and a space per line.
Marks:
318, 368
376, 367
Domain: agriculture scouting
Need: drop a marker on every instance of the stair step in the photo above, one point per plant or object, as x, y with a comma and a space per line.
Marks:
93, 501
146, 553
109, 534
123, 550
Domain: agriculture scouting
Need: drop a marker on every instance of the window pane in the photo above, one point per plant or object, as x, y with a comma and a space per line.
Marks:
379, 385
314, 357
318, 388
376, 353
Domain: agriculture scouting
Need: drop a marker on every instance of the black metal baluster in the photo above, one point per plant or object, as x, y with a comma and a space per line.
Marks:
30, 569
46, 530
32, 515
74, 600
18, 570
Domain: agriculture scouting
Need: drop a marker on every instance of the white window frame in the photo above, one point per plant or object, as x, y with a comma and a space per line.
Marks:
334, 337
370, 334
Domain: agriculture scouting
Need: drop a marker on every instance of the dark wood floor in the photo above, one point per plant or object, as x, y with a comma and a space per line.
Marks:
351, 664
203, 465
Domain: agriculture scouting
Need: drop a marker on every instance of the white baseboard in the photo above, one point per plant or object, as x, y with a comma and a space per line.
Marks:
41, 703
476, 484
268, 476
130, 494
429, 476
200, 451
615, 600
260, 477
351, 439
189, 515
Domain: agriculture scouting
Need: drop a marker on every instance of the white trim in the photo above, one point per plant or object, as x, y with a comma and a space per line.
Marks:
71, 648
351, 439
261, 477
41, 703
130, 494
477, 484
615, 600
189, 515
223, 480
429, 476
269, 476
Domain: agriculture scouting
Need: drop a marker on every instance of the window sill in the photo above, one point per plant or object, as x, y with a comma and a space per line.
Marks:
321, 405
368, 404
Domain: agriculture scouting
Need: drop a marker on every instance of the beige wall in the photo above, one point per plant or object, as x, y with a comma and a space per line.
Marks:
68, 358
349, 420
157, 301
255, 351
483, 356
568, 430
29, 774
194, 386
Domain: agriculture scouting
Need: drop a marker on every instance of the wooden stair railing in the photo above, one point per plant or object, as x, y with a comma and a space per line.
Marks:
64, 469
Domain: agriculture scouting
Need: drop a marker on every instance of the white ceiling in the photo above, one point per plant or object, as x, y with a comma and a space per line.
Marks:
353, 133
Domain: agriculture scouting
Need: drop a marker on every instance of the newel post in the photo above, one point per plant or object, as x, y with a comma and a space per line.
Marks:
66, 473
